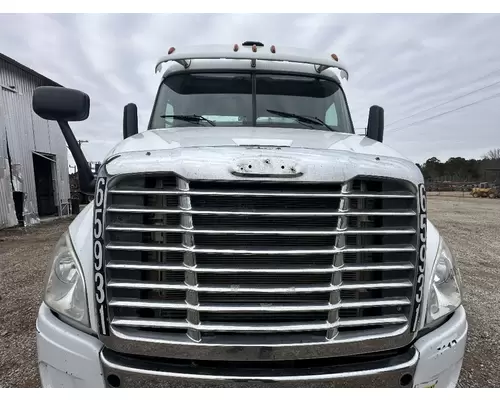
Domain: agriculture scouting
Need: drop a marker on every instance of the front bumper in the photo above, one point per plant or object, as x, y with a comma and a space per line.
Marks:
70, 358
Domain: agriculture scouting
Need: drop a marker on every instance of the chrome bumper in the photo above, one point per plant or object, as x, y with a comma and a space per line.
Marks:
390, 371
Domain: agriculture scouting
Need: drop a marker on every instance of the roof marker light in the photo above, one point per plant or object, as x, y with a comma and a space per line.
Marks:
171, 50
334, 56
254, 48
235, 48
273, 49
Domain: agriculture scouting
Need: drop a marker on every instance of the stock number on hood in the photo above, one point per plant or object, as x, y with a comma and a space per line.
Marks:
422, 249
98, 256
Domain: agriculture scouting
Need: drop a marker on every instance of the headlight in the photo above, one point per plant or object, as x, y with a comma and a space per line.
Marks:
65, 290
445, 286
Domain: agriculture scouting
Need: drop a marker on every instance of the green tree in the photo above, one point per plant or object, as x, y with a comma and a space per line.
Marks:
459, 169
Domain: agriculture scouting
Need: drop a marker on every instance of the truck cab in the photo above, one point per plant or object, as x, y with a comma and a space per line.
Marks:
248, 237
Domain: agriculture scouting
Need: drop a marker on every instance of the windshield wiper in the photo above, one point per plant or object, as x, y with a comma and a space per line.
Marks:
302, 118
189, 118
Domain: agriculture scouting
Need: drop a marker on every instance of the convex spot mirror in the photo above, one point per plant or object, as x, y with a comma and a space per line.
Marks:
61, 104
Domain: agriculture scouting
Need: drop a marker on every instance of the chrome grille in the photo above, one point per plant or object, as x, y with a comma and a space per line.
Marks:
215, 260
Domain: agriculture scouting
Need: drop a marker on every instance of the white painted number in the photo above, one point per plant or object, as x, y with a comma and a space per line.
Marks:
101, 314
97, 255
98, 224
423, 200
99, 279
99, 196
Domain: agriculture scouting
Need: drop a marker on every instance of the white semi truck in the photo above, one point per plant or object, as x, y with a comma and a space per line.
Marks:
248, 238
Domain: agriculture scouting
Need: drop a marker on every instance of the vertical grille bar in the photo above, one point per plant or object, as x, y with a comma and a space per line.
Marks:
160, 220
359, 220
338, 260
193, 316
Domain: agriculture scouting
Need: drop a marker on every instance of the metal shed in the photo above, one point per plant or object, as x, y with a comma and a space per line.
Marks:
34, 176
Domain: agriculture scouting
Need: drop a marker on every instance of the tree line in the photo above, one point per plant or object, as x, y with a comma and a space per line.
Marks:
458, 169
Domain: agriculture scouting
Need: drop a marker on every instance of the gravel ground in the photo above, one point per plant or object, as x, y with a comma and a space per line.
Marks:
470, 226
24, 254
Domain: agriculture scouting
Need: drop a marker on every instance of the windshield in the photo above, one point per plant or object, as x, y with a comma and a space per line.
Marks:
228, 99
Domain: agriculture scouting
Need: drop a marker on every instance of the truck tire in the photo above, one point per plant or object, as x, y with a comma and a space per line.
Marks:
475, 195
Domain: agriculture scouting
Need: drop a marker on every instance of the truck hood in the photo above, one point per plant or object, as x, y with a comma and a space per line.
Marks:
228, 153
173, 138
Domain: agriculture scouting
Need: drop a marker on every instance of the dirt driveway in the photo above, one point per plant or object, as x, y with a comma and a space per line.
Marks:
470, 226
24, 254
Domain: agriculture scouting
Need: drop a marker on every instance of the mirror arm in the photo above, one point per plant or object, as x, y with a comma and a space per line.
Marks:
86, 177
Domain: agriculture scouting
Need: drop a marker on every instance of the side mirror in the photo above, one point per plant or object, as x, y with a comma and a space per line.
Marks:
130, 121
375, 129
61, 104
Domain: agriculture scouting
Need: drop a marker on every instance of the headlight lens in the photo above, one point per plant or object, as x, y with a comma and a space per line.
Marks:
65, 288
445, 290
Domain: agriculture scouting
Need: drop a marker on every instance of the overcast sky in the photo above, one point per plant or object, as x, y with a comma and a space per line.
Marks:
404, 63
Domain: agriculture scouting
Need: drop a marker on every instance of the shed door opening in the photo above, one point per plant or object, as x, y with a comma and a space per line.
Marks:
44, 184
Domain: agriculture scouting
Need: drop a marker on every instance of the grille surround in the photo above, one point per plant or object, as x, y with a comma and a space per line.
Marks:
336, 329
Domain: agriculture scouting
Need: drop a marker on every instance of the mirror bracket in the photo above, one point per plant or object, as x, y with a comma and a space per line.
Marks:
85, 175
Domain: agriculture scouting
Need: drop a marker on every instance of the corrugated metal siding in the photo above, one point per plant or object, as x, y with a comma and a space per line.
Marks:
26, 132
58, 147
7, 208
